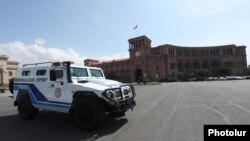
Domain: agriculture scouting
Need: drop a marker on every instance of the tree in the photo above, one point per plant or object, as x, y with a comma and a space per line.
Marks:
112, 76
248, 70
202, 73
222, 72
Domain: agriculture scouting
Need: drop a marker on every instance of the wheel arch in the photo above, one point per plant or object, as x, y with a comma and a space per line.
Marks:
84, 95
11, 84
20, 94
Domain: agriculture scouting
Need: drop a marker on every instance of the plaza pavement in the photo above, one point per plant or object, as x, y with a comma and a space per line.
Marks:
168, 112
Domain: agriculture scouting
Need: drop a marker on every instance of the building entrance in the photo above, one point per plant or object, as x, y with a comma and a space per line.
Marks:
1, 77
138, 75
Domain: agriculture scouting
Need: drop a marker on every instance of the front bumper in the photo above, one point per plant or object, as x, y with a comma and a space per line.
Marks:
122, 99
123, 106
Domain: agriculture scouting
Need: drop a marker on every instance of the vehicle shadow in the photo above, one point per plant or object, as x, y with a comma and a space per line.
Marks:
51, 126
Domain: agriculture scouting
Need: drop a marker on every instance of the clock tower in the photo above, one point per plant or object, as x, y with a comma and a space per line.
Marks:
139, 47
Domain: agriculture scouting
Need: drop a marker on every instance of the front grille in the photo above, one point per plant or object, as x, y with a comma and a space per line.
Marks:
118, 95
124, 93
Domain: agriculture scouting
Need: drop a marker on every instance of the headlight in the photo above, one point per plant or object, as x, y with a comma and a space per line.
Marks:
112, 94
109, 94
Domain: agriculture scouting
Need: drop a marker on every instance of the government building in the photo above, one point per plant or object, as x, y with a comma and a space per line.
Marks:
170, 61
7, 70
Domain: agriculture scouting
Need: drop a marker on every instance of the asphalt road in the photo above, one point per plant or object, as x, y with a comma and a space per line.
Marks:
167, 112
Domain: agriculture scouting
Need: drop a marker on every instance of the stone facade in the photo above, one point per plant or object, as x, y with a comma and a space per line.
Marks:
170, 61
7, 70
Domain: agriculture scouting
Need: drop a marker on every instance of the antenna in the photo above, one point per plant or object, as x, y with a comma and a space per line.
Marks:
24, 65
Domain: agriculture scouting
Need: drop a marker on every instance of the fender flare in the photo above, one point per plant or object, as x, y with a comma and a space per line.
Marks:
11, 85
84, 94
20, 94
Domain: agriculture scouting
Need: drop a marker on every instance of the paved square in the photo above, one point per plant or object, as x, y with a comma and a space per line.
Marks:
167, 112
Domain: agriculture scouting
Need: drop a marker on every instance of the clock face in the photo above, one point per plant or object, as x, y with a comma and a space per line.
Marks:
137, 53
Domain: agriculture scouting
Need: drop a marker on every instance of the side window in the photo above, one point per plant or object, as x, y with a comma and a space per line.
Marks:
59, 74
26, 73
85, 73
96, 73
79, 72
40, 72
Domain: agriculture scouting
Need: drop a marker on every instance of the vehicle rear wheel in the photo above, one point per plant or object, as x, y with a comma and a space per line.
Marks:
89, 114
25, 108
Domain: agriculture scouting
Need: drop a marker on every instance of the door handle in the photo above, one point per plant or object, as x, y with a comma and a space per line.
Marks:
52, 85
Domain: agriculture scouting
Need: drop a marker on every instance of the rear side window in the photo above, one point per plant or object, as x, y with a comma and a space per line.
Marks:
26, 73
40, 72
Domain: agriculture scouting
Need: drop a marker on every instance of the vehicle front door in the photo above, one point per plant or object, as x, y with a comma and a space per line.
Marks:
58, 87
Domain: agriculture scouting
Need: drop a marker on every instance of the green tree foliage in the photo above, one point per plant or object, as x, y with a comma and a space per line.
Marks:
112, 76
248, 70
202, 73
222, 72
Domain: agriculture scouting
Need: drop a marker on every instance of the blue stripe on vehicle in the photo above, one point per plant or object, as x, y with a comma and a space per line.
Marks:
16, 87
38, 98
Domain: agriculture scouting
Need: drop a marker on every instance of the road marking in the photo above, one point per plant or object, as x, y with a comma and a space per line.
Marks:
231, 101
158, 136
225, 117
140, 116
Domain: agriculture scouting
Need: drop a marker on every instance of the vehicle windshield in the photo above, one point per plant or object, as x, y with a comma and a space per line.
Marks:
96, 73
78, 72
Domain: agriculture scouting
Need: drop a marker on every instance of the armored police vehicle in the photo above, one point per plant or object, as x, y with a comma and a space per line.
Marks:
81, 91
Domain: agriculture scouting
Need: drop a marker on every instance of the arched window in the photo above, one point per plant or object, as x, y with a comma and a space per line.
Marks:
188, 65
180, 66
196, 65
205, 64
10, 73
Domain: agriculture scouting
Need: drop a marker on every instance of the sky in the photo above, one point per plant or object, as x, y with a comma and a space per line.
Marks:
54, 30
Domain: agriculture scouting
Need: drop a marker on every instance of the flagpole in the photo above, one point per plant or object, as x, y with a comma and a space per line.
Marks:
137, 31
136, 28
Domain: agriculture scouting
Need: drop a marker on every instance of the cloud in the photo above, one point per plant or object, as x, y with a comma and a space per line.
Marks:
37, 52
40, 42
114, 56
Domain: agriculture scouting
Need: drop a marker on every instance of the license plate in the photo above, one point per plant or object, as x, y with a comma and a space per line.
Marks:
130, 102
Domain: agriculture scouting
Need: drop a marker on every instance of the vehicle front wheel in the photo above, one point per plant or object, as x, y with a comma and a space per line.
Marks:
118, 114
25, 108
89, 114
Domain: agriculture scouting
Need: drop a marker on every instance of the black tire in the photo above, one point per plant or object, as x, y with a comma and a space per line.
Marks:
25, 109
11, 85
118, 114
89, 114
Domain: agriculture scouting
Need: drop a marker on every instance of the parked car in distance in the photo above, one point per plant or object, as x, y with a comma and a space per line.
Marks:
222, 78
212, 78
247, 77
198, 79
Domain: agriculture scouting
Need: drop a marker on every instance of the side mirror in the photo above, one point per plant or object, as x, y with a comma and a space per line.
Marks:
52, 75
